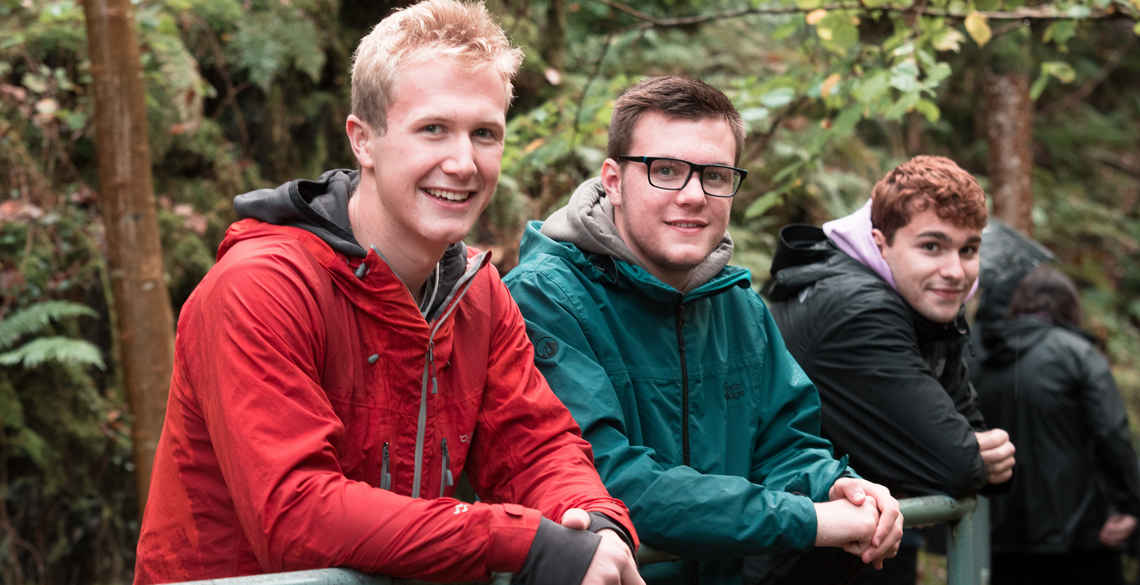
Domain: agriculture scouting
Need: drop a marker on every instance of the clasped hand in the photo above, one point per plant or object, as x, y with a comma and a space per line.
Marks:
613, 562
862, 518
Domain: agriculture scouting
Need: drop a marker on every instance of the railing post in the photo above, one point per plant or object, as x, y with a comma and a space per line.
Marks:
968, 551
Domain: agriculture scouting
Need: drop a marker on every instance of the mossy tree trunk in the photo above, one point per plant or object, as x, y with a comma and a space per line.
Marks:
1007, 117
144, 328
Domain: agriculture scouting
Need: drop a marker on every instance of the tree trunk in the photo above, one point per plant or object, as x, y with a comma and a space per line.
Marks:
1008, 122
144, 325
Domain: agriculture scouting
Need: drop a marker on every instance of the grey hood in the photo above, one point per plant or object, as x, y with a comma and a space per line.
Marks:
321, 206
587, 221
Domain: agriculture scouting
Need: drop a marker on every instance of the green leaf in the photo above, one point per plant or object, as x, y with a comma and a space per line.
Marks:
904, 76
778, 97
34, 83
36, 317
765, 202
755, 115
871, 89
1060, 32
978, 28
58, 350
844, 124
928, 109
1136, 29
948, 39
1038, 86
904, 105
1059, 69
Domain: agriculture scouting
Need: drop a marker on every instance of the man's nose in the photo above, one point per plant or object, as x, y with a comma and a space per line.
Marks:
952, 268
461, 160
692, 193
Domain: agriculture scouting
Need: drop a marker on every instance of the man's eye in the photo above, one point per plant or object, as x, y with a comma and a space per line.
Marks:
969, 251
433, 128
716, 177
930, 246
486, 133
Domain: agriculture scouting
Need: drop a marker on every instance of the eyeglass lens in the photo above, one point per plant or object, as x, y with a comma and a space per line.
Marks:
673, 174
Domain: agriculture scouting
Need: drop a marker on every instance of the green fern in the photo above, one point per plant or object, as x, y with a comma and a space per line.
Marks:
43, 350
53, 350
38, 316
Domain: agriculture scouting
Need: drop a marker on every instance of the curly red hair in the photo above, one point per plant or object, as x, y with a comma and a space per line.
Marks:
922, 183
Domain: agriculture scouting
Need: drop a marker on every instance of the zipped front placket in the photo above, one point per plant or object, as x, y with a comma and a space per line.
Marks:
684, 383
429, 377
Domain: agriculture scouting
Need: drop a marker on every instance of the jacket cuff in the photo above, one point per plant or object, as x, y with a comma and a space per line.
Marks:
600, 522
513, 529
558, 556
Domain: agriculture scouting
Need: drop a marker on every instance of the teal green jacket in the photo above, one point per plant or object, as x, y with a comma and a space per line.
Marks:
700, 419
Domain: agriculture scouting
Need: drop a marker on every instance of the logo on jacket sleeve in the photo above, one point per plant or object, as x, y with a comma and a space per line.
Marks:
546, 347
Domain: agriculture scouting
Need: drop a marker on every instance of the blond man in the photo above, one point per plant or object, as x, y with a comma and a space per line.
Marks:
348, 358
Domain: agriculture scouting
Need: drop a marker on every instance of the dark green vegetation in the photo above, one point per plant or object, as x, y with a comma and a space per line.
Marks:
249, 94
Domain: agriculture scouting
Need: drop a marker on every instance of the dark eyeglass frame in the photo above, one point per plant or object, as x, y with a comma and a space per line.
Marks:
693, 167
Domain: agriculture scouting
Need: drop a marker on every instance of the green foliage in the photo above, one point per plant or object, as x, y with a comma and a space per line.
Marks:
37, 317
246, 94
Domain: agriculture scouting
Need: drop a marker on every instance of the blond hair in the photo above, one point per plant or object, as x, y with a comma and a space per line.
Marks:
461, 30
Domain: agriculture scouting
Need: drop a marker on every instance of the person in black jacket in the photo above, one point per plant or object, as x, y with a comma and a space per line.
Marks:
1075, 494
871, 307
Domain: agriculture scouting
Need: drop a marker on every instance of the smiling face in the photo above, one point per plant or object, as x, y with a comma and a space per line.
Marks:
434, 168
670, 232
934, 263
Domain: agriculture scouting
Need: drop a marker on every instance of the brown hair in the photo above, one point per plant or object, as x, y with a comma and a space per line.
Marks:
460, 30
1048, 292
924, 182
673, 96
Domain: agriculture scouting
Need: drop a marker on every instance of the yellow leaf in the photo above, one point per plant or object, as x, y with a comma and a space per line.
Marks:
978, 28
817, 15
829, 84
824, 33
533, 146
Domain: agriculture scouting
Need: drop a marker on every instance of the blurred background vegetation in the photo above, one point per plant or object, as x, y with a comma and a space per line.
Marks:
243, 94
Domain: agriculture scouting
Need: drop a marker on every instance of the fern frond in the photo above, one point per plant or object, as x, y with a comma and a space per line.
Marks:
53, 349
35, 317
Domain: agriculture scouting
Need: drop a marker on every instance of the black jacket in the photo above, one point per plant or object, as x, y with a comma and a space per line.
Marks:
1053, 391
896, 395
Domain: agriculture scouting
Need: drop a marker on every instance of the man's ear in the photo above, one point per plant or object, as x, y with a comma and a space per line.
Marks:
360, 137
880, 239
611, 181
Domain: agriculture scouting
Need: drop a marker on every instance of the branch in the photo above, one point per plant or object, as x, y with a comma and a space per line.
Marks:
1026, 13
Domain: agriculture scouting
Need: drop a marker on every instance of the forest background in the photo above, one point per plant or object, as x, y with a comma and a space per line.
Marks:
1040, 101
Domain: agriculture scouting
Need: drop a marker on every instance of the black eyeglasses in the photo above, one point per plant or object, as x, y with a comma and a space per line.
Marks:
673, 174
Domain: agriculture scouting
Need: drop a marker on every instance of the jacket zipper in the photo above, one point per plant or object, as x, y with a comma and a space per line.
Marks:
421, 423
684, 385
451, 303
445, 478
385, 477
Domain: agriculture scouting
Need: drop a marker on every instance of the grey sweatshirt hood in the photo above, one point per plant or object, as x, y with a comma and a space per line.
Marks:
587, 221
321, 206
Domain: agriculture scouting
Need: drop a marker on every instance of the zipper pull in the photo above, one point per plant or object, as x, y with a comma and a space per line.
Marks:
445, 478
385, 477
431, 367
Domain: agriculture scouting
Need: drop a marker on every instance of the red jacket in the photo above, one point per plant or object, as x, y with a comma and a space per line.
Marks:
300, 390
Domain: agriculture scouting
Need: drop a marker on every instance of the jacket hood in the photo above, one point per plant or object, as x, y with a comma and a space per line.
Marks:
1005, 341
852, 234
587, 221
803, 256
321, 207
1007, 256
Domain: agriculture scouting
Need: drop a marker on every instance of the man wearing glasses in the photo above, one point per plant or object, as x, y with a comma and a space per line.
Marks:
699, 418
